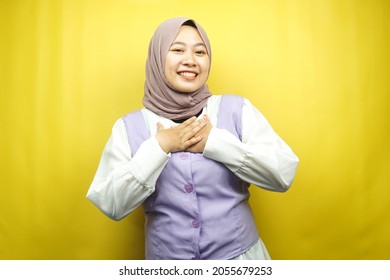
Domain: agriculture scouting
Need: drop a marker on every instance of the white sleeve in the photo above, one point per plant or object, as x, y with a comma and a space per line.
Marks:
262, 158
123, 182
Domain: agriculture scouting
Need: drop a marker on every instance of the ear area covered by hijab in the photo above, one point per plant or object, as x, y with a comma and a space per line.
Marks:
159, 96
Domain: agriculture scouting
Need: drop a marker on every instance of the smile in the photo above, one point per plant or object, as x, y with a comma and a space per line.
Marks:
188, 74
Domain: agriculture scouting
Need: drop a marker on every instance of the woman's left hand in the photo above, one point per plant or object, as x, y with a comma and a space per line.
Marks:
199, 146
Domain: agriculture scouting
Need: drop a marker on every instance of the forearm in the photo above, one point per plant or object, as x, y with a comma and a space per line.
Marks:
267, 166
122, 183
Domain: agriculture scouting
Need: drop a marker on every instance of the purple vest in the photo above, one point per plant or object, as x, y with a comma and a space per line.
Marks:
199, 209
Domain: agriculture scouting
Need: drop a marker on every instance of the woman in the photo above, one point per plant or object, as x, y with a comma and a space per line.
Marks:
189, 157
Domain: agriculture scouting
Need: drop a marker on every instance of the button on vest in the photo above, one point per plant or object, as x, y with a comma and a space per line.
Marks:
188, 188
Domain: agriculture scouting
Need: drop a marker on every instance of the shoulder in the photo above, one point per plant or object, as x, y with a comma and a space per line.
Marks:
230, 100
216, 99
228, 96
119, 127
132, 114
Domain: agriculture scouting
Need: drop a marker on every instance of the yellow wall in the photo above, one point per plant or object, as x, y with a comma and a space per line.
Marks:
318, 70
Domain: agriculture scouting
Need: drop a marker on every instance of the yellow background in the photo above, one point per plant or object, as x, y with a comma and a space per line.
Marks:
318, 70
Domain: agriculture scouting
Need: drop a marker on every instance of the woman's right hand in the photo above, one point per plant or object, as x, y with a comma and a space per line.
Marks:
182, 136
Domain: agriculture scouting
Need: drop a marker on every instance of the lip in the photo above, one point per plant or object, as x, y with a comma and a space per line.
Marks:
189, 78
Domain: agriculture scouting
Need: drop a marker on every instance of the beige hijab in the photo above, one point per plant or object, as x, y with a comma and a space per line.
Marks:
160, 97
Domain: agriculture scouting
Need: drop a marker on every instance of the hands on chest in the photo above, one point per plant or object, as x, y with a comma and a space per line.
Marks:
190, 136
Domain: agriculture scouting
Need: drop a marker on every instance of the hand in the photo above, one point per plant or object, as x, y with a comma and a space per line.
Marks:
198, 147
182, 136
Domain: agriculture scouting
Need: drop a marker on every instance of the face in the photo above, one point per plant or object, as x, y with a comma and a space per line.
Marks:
187, 63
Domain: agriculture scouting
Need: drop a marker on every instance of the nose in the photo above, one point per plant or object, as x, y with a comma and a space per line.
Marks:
189, 59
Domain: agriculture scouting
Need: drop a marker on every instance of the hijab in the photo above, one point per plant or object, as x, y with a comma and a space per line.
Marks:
159, 96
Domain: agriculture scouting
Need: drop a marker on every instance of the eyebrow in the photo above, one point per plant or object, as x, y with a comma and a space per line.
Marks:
184, 44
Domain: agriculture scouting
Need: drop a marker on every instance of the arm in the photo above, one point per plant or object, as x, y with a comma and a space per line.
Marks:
123, 182
262, 158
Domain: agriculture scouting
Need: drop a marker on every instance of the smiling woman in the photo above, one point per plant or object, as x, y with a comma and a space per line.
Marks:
317, 69
171, 157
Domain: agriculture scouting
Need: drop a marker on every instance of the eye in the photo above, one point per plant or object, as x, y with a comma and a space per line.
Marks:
200, 52
177, 50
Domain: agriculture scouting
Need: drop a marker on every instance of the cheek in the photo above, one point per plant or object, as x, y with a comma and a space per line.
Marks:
169, 64
169, 72
206, 65
205, 69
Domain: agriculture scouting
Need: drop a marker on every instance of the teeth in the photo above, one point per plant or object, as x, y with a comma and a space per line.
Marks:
187, 74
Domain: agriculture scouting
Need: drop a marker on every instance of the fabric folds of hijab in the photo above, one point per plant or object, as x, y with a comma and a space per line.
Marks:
159, 96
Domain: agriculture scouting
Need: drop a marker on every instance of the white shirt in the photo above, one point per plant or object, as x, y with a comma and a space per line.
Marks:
123, 182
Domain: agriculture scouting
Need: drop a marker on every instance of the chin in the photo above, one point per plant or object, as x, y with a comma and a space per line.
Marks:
187, 90
191, 88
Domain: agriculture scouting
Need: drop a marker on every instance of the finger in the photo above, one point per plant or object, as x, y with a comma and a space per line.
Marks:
193, 141
195, 127
192, 122
202, 119
188, 122
159, 126
192, 128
